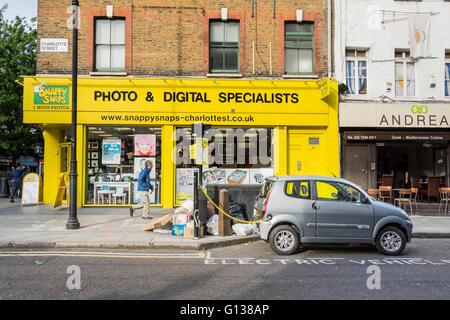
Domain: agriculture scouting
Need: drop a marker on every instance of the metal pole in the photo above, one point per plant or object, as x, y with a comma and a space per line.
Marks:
196, 223
73, 222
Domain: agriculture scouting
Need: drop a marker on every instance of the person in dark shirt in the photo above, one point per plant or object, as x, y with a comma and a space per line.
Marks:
401, 175
144, 187
17, 176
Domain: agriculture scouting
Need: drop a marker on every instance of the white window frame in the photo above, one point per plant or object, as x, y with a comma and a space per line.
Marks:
404, 60
357, 59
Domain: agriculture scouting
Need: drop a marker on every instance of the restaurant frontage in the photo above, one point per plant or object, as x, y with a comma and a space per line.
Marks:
258, 128
383, 139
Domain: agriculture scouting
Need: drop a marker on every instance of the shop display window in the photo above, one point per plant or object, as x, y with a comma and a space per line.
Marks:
234, 156
115, 157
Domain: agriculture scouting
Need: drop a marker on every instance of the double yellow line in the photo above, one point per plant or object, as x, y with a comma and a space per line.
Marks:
199, 255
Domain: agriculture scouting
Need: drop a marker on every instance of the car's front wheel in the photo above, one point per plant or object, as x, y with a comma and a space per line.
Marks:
284, 240
391, 241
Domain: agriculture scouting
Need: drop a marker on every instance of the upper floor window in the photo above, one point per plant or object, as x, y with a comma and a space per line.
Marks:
404, 74
356, 71
224, 46
110, 45
447, 74
299, 48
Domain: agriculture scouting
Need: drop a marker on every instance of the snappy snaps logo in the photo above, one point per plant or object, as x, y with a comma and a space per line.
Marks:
51, 97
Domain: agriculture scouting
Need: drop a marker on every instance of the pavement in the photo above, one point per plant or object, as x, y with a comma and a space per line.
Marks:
112, 227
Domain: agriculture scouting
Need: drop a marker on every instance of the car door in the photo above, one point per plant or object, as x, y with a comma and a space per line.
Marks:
299, 203
342, 211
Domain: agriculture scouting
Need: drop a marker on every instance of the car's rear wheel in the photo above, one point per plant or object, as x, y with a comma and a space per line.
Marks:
391, 241
284, 240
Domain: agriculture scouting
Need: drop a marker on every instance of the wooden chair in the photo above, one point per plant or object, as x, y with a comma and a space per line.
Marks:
414, 196
373, 192
385, 192
433, 188
387, 180
415, 181
405, 196
444, 195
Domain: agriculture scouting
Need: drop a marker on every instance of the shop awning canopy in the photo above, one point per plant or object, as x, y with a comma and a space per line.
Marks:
27, 161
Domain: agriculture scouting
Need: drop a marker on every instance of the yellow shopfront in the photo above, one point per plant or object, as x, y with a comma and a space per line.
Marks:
258, 128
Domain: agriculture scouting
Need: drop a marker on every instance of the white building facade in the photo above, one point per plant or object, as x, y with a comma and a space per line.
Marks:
394, 59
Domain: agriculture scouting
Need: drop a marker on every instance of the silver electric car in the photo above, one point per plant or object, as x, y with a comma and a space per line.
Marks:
299, 210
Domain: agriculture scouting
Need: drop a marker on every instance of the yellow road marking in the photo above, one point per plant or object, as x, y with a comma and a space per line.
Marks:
199, 255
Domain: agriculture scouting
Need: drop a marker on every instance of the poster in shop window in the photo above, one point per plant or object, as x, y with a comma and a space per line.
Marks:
185, 185
258, 175
237, 176
145, 145
111, 151
139, 165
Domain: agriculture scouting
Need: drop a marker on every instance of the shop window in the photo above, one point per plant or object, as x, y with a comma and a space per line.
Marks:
356, 71
234, 156
224, 46
299, 48
110, 45
404, 74
447, 73
115, 157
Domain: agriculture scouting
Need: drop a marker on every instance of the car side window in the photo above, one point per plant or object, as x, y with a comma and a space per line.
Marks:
298, 189
330, 190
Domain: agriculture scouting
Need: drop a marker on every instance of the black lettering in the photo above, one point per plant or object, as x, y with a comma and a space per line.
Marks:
167, 96
294, 98
130, 96
245, 97
396, 119
239, 97
444, 119
410, 118
97, 94
421, 118
117, 94
432, 119
383, 119
231, 96
222, 97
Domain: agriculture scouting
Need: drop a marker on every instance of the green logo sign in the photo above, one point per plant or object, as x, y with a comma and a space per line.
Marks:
51, 95
419, 109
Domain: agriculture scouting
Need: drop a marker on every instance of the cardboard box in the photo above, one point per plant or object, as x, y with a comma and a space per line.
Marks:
162, 221
180, 219
178, 229
189, 232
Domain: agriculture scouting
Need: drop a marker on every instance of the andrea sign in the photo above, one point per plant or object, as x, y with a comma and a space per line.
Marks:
421, 115
389, 115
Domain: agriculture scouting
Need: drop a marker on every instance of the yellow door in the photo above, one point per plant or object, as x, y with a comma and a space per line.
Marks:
64, 167
307, 153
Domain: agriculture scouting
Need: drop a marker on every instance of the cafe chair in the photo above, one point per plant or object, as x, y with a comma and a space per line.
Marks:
414, 196
385, 192
433, 188
373, 192
387, 180
405, 197
119, 194
444, 195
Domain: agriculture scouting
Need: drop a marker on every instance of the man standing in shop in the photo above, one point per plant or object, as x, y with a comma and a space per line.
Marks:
145, 188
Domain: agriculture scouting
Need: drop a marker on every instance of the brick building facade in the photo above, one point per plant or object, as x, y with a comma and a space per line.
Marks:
172, 37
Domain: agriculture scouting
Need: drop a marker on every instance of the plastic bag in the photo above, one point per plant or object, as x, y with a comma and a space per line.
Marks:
212, 226
187, 207
243, 229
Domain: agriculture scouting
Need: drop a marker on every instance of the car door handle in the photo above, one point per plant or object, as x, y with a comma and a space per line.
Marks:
316, 206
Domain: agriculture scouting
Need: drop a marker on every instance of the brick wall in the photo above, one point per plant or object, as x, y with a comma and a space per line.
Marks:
170, 37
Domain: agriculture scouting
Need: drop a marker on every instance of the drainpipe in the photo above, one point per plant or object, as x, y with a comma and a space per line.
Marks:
329, 39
